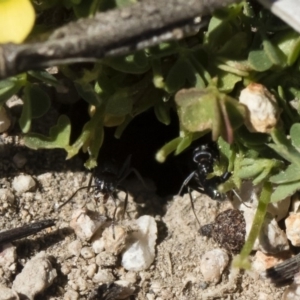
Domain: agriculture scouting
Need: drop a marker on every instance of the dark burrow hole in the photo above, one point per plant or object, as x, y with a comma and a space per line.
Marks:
144, 136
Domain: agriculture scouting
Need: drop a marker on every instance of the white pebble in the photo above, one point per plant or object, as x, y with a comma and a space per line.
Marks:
91, 270
71, 295
213, 264
23, 183
75, 248
5, 119
262, 107
87, 252
8, 256
85, 223
103, 276
8, 294
37, 275
19, 160
98, 245
292, 223
7, 196
140, 253
272, 239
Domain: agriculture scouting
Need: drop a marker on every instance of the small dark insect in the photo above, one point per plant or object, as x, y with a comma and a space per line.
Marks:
108, 181
228, 230
24, 231
106, 291
204, 158
284, 272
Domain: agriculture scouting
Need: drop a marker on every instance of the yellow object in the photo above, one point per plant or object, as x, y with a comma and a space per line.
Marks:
16, 20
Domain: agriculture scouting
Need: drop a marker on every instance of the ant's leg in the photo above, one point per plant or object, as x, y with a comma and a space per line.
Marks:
192, 204
83, 187
114, 214
186, 181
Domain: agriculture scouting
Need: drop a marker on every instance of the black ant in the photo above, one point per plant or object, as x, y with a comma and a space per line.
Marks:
108, 178
204, 157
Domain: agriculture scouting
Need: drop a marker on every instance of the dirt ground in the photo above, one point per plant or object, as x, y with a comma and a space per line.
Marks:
175, 272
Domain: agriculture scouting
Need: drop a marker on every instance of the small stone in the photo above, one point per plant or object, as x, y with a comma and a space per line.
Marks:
5, 119
271, 238
19, 160
140, 253
91, 270
98, 245
213, 263
71, 295
114, 241
105, 259
8, 256
87, 252
103, 276
66, 268
7, 196
261, 262
23, 183
37, 275
292, 223
8, 294
85, 223
75, 248
263, 110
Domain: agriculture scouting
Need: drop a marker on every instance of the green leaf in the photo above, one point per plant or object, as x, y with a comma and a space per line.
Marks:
136, 63
181, 73
295, 135
119, 104
45, 77
207, 109
87, 92
259, 60
227, 81
291, 174
285, 190
10, 87
289, 43
162, 112
274, 53
36, 104
59, 136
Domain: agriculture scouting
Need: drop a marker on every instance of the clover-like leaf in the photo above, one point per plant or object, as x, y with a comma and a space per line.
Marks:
289, 44
36, 104
59, 136
136, 63
181, 73
119, 104
10, 87
16, 20
259, 60
87, 92
208, 109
